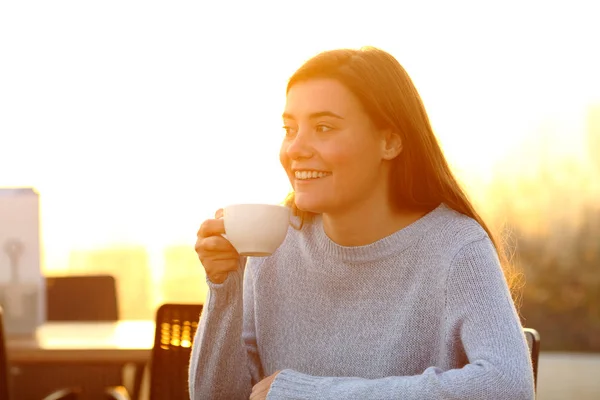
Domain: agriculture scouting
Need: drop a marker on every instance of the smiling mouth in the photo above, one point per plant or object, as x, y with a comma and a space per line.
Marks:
309, 175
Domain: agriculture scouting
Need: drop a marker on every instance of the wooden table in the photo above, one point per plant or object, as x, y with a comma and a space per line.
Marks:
117, 343
85, 342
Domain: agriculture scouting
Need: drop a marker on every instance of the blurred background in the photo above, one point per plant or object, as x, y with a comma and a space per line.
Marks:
136, 120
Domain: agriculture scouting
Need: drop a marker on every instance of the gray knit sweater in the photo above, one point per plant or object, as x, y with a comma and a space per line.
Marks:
424, 313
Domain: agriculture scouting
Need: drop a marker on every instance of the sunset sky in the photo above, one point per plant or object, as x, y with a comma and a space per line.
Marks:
136, 120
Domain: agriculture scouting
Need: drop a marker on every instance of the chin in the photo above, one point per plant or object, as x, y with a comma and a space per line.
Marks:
309, 204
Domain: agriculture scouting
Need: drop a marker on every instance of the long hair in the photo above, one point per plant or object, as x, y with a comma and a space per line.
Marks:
420, 175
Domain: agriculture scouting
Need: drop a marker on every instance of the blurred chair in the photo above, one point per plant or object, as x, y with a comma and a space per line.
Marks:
4, 372
176, 326
81, 298
533, 341
75, 298
5, 381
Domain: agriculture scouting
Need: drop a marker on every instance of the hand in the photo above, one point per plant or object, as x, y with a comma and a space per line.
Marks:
261, 389
217, 254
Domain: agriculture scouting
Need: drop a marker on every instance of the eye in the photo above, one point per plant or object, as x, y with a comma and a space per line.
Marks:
289, 131
323, 128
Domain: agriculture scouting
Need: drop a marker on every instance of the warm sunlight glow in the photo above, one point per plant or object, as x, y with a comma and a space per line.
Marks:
135, 121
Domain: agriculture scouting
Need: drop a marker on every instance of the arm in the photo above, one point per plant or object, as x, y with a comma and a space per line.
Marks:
220, 367
480, 316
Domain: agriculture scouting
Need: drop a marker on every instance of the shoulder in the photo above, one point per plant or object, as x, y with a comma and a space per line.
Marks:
451, 231
468, 247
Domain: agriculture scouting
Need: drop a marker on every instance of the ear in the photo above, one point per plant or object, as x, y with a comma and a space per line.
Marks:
391, 145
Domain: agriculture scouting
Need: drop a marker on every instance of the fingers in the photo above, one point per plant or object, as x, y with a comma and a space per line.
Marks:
213, 244
216, 253
258, 392
261, 389
211, 227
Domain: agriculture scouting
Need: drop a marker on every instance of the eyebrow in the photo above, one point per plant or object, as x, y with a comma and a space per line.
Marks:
315, 115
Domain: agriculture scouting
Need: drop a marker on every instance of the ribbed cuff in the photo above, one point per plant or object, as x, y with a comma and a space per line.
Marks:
222, 294
293, 385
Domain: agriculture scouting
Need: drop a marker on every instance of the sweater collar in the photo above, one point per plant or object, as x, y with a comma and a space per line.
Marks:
382, 248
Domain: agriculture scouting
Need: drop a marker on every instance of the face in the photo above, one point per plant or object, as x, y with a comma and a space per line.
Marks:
334, 156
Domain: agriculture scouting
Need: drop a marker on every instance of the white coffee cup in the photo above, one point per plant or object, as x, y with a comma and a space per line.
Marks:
256, 230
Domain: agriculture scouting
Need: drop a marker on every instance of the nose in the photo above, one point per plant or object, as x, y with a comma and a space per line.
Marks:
300, 146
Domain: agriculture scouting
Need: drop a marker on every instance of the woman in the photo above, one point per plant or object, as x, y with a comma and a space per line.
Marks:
388, 285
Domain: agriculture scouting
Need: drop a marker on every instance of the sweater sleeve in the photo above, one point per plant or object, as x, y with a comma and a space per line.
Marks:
480, 318
222, 365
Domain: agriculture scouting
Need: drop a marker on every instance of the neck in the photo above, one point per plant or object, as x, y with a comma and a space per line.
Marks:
367, 223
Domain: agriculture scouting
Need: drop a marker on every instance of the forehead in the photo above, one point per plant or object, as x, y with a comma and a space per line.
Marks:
318, 95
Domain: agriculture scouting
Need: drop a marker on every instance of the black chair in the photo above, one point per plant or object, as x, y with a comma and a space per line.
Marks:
81, 298
74, 298
176, 326
533, 341
5, 381
4, 371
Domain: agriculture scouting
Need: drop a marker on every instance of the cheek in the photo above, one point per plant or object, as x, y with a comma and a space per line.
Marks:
283, 157
356, 169
282, 154
348, 158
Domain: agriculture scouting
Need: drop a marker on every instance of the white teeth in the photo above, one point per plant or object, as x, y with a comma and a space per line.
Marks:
309, 174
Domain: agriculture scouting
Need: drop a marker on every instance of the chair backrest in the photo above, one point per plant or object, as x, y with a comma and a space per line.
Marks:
533, 341
176, 326
81, 298
4, 370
